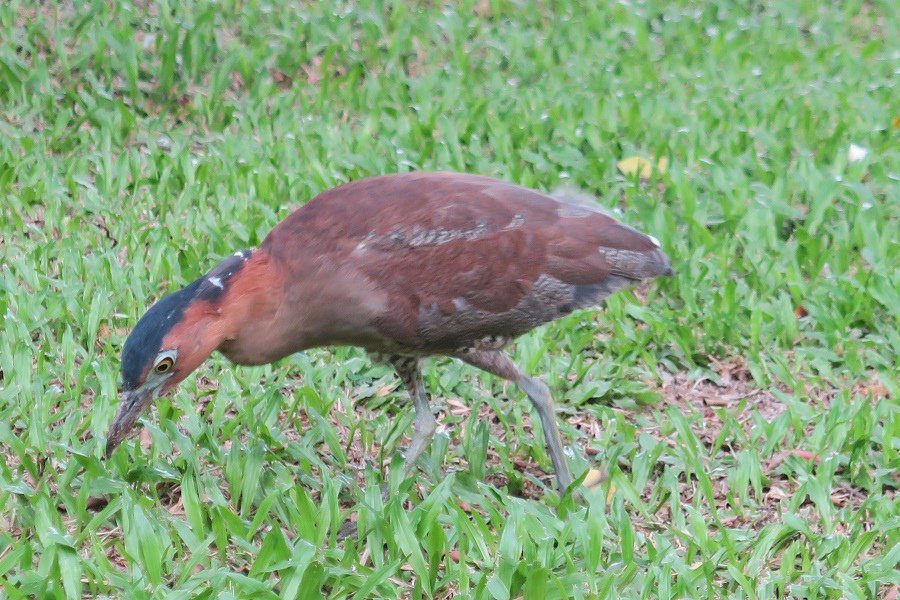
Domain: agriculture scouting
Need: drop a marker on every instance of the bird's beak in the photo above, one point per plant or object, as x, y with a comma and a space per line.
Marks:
131, 407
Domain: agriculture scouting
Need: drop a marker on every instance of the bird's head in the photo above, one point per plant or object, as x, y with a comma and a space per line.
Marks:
172, 339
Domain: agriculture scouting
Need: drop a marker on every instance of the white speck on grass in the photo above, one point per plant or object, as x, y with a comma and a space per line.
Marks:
856, 153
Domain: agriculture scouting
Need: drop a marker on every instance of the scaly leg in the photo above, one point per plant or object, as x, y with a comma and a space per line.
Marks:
425, 424
498, 363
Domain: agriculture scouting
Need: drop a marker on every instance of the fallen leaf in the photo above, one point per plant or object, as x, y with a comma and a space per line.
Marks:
177, 509
281, 79
805, 455
722, 399
384, 390
782, 456
97, 502
104, 333
839, 500
594, 478
635, 164
641, 166
775, 493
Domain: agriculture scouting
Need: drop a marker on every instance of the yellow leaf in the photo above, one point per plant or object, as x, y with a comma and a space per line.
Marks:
662, 165
635, 165
609, 494
594, 478
642, 166
895, 123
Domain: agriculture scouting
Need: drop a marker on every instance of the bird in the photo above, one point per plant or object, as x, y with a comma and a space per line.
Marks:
406, 266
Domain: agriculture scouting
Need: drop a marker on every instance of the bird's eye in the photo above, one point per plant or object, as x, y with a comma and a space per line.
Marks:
164, 365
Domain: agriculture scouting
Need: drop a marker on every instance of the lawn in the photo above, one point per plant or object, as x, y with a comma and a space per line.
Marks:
745, 409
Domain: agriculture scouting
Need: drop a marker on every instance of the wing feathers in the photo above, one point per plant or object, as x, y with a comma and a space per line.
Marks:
459, 255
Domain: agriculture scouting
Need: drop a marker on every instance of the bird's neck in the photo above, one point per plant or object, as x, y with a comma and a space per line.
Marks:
248, 313
275, 307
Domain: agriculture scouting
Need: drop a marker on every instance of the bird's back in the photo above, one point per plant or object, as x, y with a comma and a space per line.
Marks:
460, 261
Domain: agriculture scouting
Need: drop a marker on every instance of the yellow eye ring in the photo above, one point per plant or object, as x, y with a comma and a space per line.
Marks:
164, 365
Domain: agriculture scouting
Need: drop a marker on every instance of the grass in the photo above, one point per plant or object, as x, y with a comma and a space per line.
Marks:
745, 408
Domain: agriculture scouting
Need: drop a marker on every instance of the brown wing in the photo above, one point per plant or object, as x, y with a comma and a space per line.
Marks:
461, 257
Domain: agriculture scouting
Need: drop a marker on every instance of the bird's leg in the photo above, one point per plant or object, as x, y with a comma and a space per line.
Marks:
540, 397
425, 424
498, 363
